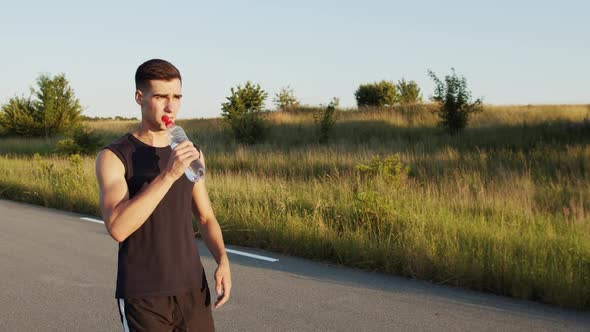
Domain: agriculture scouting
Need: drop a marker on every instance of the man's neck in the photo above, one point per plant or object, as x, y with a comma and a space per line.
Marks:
156, 138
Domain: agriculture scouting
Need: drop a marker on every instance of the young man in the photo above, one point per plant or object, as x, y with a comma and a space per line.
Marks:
146, 203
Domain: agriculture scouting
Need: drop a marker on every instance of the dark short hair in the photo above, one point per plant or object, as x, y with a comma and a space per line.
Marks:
155, 69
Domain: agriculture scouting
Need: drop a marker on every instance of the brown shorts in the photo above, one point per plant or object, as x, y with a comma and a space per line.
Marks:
189, 311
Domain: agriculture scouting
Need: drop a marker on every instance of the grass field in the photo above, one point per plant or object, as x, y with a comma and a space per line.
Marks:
503, 207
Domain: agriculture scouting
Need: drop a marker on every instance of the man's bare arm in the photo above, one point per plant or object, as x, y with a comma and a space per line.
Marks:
211, 234
208, 225
123, 216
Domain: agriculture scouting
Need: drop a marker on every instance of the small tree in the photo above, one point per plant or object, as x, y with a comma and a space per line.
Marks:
56, 101
382, 93
454, 102
326, 120
284, 100
242, 112
409, 92
55, 109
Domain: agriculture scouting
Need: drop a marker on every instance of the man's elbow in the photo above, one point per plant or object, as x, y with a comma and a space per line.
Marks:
115, 233
117, 237
205, 220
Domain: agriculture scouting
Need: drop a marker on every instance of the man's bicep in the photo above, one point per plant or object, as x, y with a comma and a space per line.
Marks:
201, 203
110, 174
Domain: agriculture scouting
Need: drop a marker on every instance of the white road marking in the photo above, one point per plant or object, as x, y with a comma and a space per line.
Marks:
237, 252
93, 220
264, 258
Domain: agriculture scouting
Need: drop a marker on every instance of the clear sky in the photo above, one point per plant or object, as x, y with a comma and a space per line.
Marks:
511, 52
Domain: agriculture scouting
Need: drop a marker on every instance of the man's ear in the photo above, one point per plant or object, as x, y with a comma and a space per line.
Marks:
138, 95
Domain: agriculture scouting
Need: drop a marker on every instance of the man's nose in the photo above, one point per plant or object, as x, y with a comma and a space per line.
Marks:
168, 107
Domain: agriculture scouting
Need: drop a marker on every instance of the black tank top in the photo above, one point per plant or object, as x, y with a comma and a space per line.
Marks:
160, 258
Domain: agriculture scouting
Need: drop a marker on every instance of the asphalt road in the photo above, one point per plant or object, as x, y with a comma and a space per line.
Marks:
58, 274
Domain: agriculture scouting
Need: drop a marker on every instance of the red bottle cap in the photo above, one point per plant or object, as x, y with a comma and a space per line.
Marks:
167, 120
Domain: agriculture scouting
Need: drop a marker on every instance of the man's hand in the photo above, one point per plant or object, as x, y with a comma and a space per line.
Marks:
222, 282
181, 157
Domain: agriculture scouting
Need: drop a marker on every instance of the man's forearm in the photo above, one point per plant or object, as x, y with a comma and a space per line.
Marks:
211, 234
128, 216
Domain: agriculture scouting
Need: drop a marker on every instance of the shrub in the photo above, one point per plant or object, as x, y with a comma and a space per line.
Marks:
454, 102
249, 128
409, 92
88, 141
66, 146
83, 141
285, 100
371, 212
19, 117
325, 119
54, 110
390, 169
382, 93
242, 113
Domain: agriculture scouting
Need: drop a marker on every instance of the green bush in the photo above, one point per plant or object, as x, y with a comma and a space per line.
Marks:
325, 119
370, 213
382, 93
242, 113
285, 100
391, 169
249, 128
19, 117
409, 92
53, 110
66, 146
83, 141
454, 102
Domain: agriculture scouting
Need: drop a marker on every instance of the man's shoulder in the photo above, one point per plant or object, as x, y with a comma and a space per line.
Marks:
120, 143
119, 147
123, 139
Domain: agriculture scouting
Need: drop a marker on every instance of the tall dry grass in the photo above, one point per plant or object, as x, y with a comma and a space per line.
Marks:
503, 207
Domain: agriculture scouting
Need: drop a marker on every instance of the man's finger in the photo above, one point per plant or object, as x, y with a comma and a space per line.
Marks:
189, 155
218, 286
222, 301
184, 149
183, 145
222, 298
225, 297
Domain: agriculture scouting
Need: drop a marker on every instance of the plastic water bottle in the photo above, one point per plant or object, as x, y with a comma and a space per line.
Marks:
195, 170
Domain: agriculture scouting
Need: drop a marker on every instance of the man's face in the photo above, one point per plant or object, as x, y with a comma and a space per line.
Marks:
161, 97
